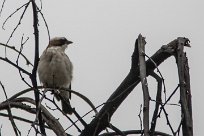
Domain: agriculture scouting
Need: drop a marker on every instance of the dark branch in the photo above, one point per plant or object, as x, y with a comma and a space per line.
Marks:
19, 52
19, 22
15, 128
52, 122
118, 131
34, 71
15, 65
158, 102
20, 119
129, 132
102, 119
2, 6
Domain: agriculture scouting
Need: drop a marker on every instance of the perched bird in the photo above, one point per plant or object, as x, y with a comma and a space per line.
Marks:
55, 70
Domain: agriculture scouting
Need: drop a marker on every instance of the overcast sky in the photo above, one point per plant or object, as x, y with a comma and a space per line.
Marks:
104, 32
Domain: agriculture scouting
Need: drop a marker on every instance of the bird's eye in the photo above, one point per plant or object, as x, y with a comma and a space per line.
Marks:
63, 40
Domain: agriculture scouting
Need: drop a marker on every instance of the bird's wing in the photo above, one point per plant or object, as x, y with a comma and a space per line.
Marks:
47, 55
69, 67
70, 92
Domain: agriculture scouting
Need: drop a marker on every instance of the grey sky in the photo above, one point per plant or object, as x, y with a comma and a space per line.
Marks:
104, 33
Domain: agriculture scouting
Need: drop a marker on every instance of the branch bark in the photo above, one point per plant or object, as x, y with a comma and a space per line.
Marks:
17, 51
185, 95
101, 121
50, 120
158, 102
143, 79
130, 132
34, 71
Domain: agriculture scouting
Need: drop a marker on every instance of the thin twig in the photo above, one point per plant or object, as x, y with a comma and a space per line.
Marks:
85, 115
158, 102
79, 118
39, 107
171, 95
46, 116
179, 127
66, 89
2, 6
131, 132
122, 93
118, 131
21, 119
19, 22
159, 74
17, 60
139, 115
40, 6
168, 122
15, 128
58, 108
21, 48
168, 99
162, 108
46, 25
18, 9
0, 129
14, 49
13, 64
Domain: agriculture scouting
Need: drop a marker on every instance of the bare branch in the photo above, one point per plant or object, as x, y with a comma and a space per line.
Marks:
17, 60
79, 118
47, 117
158, 102
19, 22
15, 128
118, 131
74, 124
184, 91
21, 119
142, 67
36, 59
15, 65
18, 9
21, 49
159, 74
86, 114
168, 122
19, 52
46, 25
2, 6
129, 132
103, 117
139, 115
66, 89
162, 108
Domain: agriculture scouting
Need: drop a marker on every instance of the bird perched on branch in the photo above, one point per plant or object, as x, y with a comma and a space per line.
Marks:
55, 70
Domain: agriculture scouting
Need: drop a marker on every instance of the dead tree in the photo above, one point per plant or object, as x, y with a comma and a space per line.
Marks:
139, 71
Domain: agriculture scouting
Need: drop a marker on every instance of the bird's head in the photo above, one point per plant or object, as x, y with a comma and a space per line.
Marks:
59, 42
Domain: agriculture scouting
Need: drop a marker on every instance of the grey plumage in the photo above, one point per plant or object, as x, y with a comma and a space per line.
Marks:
55, 70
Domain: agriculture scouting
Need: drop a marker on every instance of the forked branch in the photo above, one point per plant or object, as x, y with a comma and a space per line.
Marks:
101, 121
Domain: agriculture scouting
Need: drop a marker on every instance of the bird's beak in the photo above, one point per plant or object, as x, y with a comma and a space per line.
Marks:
69, 42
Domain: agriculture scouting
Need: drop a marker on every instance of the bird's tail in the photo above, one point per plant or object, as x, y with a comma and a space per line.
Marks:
64, 96
66, 107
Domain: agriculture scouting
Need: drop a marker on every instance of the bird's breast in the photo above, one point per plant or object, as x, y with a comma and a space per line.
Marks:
55, 69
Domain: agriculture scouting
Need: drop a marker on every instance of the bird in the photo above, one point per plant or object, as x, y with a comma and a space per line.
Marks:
55, 70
